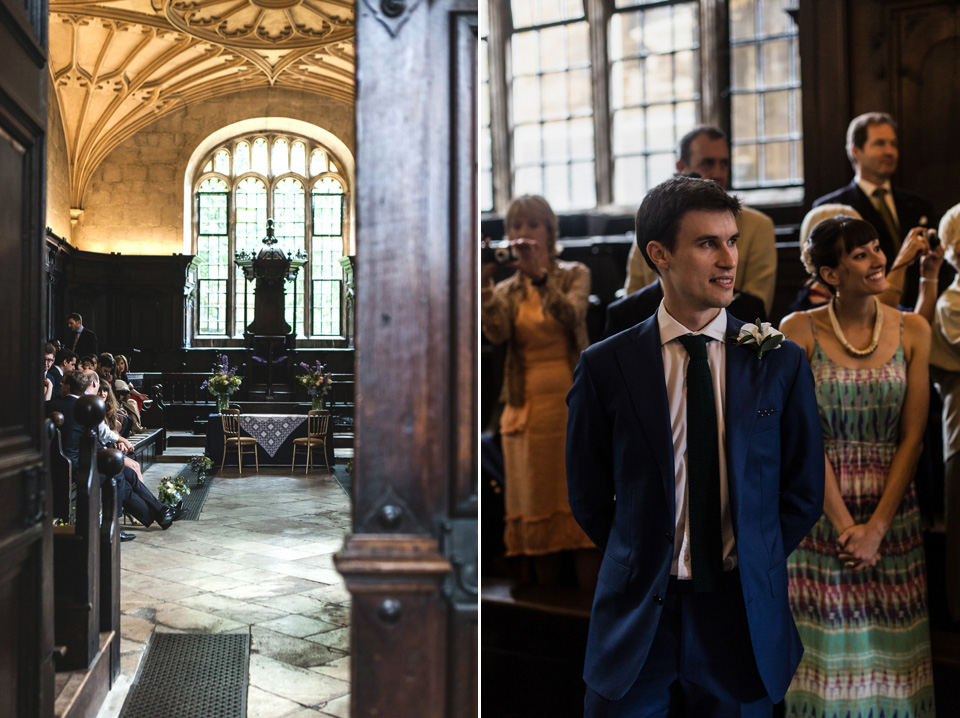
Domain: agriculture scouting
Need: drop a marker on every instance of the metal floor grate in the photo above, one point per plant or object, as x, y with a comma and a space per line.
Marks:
198, 494
189, 675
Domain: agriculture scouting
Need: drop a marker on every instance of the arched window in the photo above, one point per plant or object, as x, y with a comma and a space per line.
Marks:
242, 183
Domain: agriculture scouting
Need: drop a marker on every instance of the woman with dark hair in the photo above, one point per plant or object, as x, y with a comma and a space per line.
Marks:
540, 312
857, 582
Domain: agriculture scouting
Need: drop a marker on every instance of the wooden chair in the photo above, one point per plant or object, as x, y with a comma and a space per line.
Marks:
230, 419
317, 422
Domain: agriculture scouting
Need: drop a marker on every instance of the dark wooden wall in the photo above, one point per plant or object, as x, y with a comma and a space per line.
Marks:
896, 56
26, 578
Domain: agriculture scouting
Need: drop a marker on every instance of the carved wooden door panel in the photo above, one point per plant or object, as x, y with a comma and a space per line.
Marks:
26, 617
411, 562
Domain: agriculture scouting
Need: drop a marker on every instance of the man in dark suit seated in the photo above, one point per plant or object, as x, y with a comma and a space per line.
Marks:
642, 304
63, 361
893, 211
132, 494
79, 339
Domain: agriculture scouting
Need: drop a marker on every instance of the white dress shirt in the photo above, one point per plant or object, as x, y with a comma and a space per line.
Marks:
675, 360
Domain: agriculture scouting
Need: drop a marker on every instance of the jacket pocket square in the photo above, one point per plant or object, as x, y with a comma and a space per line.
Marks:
767, 412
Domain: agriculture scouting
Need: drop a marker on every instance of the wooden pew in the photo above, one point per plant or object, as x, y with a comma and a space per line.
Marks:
61, 473
87, 577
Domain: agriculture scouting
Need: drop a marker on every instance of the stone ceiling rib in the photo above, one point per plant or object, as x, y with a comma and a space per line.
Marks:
119, 65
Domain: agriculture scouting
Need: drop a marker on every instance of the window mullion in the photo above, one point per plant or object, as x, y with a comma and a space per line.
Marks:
598, 15
715, 64
499, 115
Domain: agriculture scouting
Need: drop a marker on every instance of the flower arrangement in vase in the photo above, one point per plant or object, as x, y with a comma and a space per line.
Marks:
171, 490
316, 380
201, 465
223, 382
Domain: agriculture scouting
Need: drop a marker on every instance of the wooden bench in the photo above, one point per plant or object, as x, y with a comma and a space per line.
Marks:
147, 446
86, 570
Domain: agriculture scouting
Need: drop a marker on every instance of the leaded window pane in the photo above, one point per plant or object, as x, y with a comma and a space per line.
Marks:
241, 158
221, 162
281, 157
259, 163
766, 130
298, 158
654, 92
318, 163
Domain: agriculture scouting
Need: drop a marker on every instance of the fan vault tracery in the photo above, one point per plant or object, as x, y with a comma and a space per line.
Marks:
118, 65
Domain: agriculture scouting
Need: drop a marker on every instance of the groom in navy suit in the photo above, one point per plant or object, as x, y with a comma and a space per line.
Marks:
696, 467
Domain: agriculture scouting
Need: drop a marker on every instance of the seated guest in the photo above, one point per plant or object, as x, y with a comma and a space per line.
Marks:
132, 495
88, 362
642, 304
120, 369
105, 364
126, 403
64, 360
945, 370
49, 354
110, 428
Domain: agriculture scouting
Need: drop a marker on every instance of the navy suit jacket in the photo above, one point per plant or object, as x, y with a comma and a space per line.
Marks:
621, 479
71, 430
911, 209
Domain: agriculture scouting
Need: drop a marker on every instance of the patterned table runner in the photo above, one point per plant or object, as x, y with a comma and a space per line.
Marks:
270, 430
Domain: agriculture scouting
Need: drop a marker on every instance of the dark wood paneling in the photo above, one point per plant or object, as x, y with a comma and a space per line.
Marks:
26, 605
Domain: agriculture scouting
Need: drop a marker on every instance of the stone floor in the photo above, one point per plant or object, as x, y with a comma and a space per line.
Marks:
259, 561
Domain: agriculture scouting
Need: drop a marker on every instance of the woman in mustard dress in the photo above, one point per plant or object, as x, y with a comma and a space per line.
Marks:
540, 312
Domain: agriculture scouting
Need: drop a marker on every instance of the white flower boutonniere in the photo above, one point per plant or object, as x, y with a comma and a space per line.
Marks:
761, 337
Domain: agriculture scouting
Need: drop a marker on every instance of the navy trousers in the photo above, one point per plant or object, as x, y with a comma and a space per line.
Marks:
700, 663
135, 498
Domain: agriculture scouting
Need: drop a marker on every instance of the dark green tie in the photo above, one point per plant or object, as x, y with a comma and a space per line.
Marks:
891, 224
703, 469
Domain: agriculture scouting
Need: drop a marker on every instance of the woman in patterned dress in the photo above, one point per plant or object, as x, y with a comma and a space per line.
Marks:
858, 586
540, 312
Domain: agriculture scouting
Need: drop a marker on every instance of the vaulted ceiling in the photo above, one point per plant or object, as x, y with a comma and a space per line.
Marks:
118, 65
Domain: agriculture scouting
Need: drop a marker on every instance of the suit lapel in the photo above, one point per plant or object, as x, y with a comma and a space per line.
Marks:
744, 375
642, 366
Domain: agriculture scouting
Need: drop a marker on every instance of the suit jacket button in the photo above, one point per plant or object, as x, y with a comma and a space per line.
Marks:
658, 598
669, 537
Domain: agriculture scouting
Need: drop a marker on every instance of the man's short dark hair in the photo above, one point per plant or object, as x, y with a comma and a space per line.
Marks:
75, 317
661, 211
49, 348
683, 148
857, 130
106, 360
77, 382
63, 355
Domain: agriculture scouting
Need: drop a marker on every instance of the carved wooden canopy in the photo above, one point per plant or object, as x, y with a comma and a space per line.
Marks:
118, 65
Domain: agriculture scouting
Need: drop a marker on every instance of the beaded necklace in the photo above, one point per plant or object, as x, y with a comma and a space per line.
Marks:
852, 350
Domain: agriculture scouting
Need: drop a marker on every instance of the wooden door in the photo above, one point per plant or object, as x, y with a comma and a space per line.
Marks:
411, 562
26, 618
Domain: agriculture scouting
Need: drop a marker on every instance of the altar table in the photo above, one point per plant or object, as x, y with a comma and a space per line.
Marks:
274, 434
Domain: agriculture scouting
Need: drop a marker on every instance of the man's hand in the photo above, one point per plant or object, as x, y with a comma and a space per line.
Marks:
125, 446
